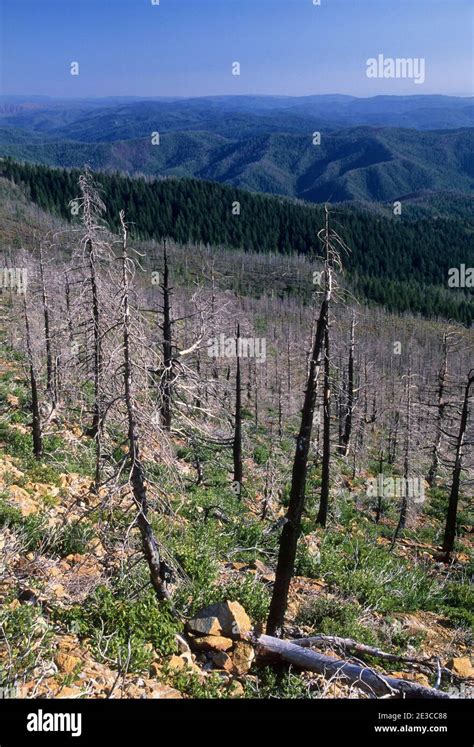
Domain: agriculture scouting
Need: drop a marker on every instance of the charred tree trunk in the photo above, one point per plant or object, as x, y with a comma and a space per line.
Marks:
450, 527
36, 423
406, 466
324, 500
94, 430
280, 412
50, 388
237, 444
167, 375
431, 477
291, 529
393, 439
378, 510
67, 291
346, 435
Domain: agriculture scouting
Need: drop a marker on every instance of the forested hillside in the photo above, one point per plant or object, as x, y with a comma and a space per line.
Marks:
401, 261
353, 164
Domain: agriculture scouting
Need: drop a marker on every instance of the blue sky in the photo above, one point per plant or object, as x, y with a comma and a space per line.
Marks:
187, 47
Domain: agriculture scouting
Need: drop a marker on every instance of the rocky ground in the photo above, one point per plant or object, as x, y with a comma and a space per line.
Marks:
46, 571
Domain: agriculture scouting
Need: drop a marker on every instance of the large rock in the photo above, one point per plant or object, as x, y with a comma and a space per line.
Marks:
205, 623
228, 619
461, 666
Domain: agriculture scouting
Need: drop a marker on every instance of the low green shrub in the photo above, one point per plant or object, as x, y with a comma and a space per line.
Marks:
333, 616
121, 626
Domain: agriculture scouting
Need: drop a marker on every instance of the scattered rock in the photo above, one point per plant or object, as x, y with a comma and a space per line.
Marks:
22, 500
266, 573
221, 660
58, 590
461, 666
180, 663
66, 663
236, 689
238, 566
205, 624
69, 692
43, 489
221, 619
76, 558
134, 692
213, 643
158, 692
182, 644
176, 663
242, 657
418, 677
155, 669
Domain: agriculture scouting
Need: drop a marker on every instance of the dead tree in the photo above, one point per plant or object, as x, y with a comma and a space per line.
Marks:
92, 207
431, 477
36, 422
50, 373
95, 249
406, 464
137, 474
359, 675
237, 443
292, 527
67, 292
167, 373
378, 510
325, 467
450, 527
347, 430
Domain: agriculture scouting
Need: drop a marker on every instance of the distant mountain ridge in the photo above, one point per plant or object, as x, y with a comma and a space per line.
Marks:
374, 149
417, 112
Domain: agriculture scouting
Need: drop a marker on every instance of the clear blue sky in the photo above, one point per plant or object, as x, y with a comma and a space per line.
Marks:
186, 47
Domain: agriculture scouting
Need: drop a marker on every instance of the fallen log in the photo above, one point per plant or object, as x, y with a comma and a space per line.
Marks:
364, 678
362, 649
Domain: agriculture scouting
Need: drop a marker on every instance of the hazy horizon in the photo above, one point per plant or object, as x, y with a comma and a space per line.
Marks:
186, 49
170, 97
